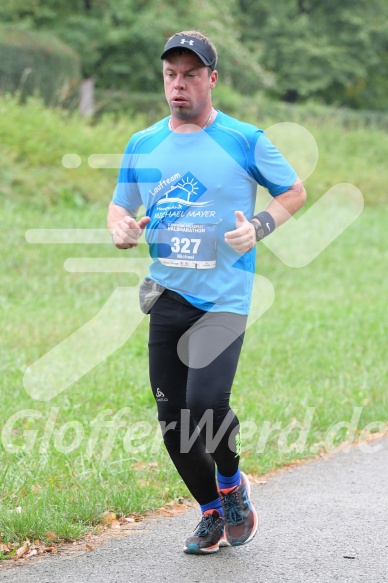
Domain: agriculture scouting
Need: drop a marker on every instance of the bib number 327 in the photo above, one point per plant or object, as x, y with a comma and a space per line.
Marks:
188, 245
185, 245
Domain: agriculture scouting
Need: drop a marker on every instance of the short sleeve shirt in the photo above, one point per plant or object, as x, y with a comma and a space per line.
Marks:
190, 185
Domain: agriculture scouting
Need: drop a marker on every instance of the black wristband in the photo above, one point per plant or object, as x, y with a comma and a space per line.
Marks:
267, 222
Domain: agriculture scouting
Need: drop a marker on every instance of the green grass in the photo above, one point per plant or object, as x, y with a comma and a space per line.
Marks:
320, 346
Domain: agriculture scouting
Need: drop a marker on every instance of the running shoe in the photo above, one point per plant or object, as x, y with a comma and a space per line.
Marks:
240, 515
208, 536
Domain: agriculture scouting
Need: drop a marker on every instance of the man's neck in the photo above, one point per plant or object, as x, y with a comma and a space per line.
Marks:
183, 127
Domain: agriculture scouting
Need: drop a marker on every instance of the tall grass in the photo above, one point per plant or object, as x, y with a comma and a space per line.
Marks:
320, 349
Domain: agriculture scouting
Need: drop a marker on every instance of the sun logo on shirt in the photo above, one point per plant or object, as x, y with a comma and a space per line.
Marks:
186, 191
189, 186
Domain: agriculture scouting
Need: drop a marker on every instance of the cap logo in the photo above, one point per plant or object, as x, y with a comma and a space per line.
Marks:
202, 49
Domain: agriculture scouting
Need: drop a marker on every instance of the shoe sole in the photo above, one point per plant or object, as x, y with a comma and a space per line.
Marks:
223, 542
194, 550
237, 543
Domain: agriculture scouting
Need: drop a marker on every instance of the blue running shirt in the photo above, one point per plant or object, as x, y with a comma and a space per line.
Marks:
190, 185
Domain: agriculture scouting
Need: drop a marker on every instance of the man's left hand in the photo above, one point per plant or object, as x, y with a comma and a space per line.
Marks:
243, 238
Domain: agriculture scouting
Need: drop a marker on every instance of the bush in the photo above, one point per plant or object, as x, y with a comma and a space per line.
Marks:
153, 106
37, 63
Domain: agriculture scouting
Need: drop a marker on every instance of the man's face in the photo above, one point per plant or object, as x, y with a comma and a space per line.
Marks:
187, 85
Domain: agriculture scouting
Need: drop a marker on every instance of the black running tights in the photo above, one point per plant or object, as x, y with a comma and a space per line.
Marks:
193, 358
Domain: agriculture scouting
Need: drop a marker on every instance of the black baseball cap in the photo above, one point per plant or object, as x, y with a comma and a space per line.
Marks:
197, 46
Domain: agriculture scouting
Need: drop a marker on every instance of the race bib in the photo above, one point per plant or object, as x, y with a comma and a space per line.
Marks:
187, 245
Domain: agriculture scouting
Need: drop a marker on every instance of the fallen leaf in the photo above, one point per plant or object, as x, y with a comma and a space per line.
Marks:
129, 519
115, 524
21, 551
89, 547
36, 489
4, 549
32, 553
50, 550
51, 535
108, 517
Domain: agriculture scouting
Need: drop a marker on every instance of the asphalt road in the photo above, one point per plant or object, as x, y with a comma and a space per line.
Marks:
321, 522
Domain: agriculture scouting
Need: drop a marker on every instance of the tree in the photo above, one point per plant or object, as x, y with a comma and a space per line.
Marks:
328, 50
336, 52
120, 41
33, 63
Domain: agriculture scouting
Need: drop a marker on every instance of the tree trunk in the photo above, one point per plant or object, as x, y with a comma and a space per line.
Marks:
86, 103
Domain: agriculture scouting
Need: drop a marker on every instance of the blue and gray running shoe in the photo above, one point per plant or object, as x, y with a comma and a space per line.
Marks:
240, 515
208, 536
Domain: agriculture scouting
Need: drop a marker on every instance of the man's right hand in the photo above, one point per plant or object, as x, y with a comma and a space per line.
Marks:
127, 231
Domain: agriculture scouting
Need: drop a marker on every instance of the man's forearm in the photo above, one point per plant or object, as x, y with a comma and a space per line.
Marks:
284, 205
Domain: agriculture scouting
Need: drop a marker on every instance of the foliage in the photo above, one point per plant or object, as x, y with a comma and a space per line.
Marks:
34, 140
37, 63
153, 105
334, 52
121, 40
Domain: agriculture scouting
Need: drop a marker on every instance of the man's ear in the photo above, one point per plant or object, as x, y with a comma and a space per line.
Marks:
213, 79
